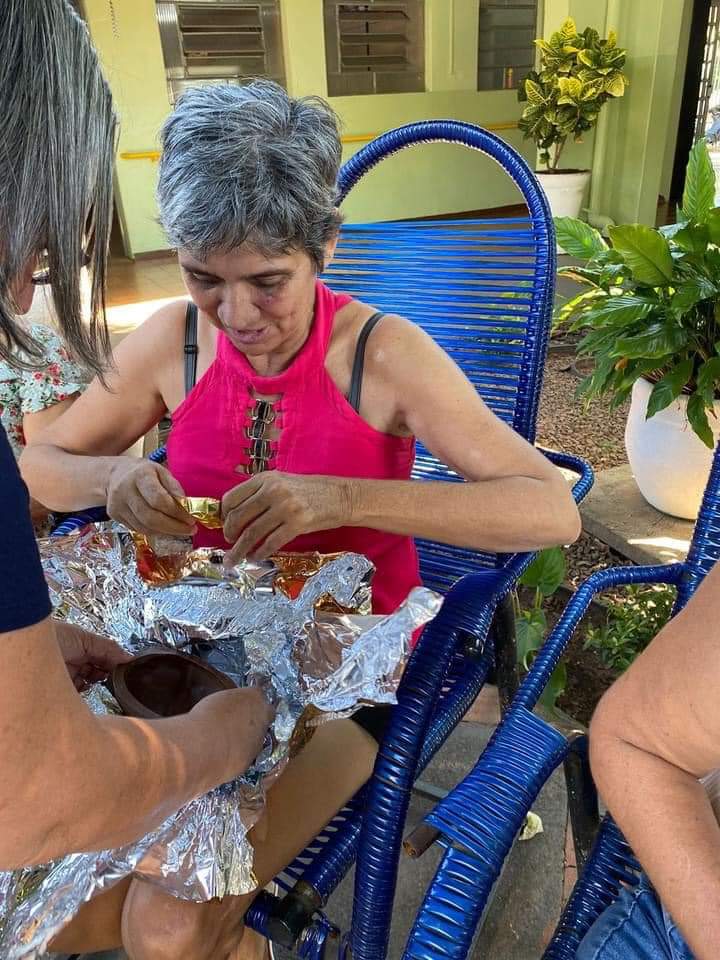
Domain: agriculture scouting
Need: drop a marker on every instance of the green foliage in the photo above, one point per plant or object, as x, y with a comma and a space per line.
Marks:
651, 303
579, 72
633, 620
544, 575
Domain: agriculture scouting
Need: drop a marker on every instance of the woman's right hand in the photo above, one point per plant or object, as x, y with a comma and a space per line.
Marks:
143, 496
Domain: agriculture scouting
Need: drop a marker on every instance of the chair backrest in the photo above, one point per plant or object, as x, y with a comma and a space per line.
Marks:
705, 545
482, 288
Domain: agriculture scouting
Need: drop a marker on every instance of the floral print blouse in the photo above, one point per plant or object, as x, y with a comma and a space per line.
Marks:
29, 391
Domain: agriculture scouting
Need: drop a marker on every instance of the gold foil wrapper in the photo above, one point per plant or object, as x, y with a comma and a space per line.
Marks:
163, 561
206, 510
294, 569
304, 731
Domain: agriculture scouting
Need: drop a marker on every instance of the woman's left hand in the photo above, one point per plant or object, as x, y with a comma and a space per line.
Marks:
88, 656
271, 509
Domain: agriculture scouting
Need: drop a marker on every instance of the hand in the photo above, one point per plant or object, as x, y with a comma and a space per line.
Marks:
143, 495
243, 717
88, 657
272, 508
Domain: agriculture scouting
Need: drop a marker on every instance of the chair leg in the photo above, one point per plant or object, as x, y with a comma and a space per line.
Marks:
506, 666
582, 798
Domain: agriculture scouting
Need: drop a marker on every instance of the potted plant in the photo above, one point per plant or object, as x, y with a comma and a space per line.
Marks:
578, 74
651, 322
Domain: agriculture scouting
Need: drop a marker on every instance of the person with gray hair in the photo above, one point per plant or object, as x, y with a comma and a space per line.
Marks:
72, 781
308, 439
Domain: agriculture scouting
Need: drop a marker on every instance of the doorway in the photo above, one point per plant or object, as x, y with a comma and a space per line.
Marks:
700, 110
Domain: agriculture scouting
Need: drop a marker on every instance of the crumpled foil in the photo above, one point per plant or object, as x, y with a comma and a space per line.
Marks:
311, 663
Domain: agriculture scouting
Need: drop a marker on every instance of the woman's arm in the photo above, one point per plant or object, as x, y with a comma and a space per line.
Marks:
34, 423
654, 734
72, 781
76, 461
513, 498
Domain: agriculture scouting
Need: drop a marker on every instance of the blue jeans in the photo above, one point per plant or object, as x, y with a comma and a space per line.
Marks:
635, 927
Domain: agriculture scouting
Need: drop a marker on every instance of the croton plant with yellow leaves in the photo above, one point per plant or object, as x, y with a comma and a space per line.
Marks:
579, 73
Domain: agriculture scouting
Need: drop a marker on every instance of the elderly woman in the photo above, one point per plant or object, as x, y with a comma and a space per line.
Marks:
298, 407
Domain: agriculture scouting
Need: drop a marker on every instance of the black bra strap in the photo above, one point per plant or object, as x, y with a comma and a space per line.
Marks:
191, 347
359, 361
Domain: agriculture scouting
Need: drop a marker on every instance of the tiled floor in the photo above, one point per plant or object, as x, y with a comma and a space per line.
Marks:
130, 281
136, 288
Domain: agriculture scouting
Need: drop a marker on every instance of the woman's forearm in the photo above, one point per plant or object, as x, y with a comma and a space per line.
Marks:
65, 481
668, 820
72, 781
504, 515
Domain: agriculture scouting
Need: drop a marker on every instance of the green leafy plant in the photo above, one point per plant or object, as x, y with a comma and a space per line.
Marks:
652, 304
633, 620
579, 73
544, 576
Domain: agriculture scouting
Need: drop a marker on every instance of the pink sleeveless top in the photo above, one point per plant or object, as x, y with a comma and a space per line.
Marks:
221, 425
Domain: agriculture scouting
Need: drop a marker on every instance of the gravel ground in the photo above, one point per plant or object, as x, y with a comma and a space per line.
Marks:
563, 424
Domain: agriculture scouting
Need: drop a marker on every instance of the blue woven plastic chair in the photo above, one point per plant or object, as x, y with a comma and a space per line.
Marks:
478, 821
484, 290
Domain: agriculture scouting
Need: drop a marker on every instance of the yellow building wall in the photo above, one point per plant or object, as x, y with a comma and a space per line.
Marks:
629, 155
421, 181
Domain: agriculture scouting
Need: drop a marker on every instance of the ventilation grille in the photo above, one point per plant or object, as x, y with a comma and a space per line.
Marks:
506, 51
219, 42
374, 47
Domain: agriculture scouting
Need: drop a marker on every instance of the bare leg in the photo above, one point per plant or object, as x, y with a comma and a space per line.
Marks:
316, 784
97, 924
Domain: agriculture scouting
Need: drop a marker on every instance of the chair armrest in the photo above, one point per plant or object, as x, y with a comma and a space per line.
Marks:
586, 475
75, 521
478, 822
468, 607
554, 647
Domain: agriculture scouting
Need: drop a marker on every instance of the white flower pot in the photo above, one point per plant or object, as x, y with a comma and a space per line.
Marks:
670, 462
565, 193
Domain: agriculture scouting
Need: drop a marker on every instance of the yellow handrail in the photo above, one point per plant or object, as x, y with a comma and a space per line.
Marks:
154, 155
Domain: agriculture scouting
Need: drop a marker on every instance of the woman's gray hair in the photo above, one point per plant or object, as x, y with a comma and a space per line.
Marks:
250, 164
57, 141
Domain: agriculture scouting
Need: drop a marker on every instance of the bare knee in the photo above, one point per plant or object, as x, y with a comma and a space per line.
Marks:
156, 926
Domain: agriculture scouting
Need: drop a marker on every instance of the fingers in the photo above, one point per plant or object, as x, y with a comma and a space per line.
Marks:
274, 543
239, 517
102, 653
170, 483
240, 494
154, 488
142, 501
253, 535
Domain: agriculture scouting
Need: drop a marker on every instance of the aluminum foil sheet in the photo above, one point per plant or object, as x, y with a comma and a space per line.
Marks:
275, 625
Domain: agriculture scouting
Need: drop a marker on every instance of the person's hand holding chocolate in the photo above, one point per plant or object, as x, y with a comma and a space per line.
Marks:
88, 656
144, 496
265, 513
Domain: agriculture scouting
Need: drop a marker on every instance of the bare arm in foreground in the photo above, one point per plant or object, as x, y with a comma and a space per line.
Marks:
72, 781
655, 733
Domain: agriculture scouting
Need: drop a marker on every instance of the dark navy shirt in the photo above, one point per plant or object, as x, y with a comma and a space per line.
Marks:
24, 598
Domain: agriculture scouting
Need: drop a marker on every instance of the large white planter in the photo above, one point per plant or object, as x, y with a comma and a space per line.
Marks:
565, 193
669, 461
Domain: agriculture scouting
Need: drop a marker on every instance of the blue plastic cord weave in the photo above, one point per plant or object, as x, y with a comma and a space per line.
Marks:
478, 823
611, 860
466, 819
482, 289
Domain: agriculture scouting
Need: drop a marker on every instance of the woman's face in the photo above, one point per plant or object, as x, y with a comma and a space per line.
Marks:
263, 304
